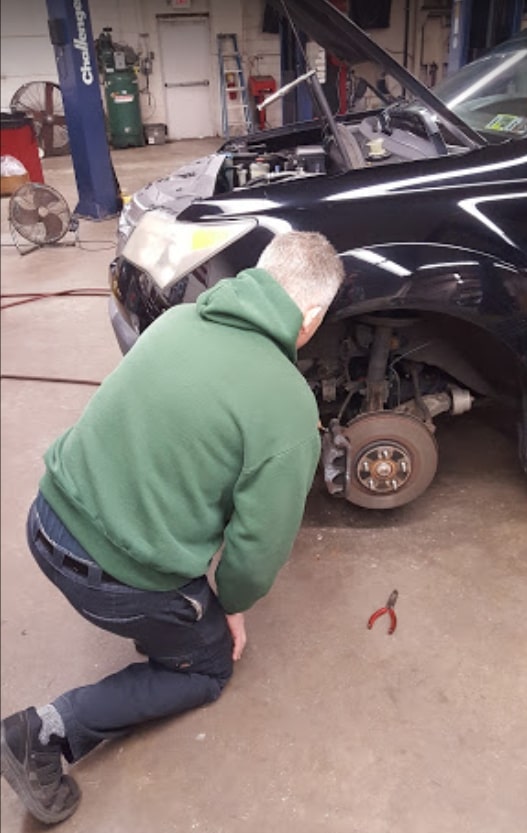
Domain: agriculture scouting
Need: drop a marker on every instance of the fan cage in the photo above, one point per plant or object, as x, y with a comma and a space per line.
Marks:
39, 214
42, 100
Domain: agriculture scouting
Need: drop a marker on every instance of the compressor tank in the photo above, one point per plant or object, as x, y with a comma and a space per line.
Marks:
124, 113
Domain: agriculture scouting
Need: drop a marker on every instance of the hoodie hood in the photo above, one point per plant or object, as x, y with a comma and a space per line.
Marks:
254, 301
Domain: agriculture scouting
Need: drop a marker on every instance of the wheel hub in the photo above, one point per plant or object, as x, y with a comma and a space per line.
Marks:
384, 468
380, 460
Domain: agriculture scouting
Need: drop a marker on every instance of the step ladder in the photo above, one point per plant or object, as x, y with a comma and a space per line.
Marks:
236, 112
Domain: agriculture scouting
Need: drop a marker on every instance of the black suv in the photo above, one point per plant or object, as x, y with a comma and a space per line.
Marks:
425, 198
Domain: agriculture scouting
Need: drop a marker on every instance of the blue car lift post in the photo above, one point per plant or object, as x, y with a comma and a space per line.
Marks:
71, 35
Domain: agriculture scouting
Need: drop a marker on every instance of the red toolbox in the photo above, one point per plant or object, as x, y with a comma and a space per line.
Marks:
18, 139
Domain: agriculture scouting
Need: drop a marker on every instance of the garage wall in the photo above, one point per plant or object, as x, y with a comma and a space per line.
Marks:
261, 54
225, 16
27, 54
26, 51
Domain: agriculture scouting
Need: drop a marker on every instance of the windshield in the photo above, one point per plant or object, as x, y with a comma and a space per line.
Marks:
490, 94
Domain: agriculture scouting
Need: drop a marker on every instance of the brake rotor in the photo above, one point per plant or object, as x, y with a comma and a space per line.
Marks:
391, 459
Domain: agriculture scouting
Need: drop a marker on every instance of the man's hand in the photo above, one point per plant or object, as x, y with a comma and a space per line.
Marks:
236, 623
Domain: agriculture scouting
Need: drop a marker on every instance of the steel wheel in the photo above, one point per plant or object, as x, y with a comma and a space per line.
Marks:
392, 459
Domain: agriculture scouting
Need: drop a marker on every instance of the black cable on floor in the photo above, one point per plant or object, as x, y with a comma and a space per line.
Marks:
65, 381
109, 245
28, 297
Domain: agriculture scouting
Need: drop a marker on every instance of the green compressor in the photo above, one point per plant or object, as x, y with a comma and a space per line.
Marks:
121, 90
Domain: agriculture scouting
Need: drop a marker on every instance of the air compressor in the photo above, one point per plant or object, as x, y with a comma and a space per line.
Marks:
121, 92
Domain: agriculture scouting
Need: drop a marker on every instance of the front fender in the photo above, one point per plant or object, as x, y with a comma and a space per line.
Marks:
460, 283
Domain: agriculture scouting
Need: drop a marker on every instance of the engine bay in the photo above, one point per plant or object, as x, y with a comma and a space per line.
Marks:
401, 135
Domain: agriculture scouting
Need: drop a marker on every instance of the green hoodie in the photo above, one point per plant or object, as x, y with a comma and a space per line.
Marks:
205, 434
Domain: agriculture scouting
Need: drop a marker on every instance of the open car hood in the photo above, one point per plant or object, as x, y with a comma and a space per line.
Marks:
340, 36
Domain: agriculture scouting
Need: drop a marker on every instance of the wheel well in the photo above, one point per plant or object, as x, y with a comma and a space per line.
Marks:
464, 350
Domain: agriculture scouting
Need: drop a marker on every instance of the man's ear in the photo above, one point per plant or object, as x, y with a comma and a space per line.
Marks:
310, 323
312, 316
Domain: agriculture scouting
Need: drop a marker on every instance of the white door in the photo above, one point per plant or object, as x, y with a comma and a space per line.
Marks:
185, 56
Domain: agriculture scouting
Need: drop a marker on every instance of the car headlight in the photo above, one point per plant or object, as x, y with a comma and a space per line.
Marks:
168, 249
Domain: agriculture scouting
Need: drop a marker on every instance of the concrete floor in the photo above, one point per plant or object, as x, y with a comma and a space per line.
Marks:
326, 726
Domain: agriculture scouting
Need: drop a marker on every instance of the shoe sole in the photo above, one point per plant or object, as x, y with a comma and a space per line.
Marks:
15, 775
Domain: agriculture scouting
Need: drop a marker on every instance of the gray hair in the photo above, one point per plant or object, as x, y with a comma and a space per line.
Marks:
306, 265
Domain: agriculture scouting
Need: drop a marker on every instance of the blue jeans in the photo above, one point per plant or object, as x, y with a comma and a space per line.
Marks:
183, 632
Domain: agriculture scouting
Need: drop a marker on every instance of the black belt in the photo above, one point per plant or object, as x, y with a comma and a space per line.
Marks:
89, 569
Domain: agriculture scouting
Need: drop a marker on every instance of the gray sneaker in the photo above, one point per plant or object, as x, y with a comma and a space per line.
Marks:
34, 770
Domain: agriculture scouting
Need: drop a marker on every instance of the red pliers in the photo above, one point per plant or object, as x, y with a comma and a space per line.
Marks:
388, 609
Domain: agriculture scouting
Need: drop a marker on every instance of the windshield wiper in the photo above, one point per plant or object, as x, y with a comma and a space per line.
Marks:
412, 116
